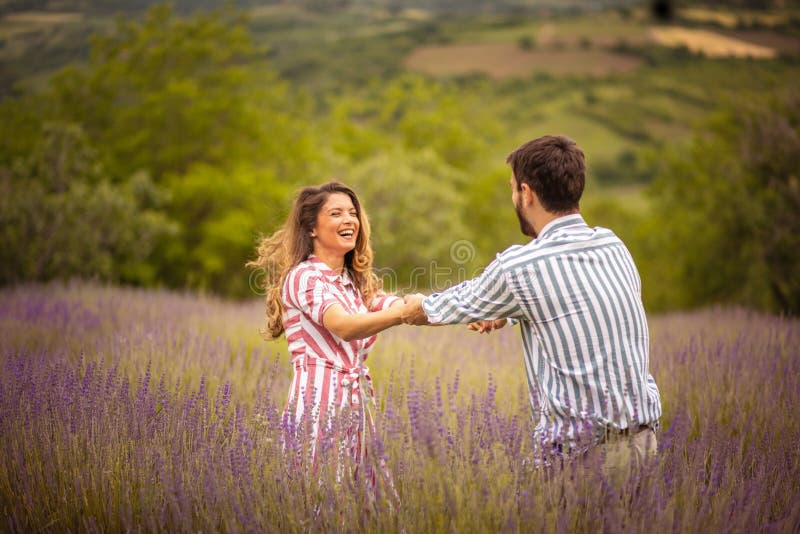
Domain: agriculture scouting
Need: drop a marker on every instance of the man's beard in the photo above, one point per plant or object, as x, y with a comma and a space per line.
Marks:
524, 226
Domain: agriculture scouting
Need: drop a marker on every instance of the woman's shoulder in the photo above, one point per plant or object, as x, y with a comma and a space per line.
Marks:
304, 271
305, 265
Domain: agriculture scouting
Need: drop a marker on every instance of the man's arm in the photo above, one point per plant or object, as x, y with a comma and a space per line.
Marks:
485, 297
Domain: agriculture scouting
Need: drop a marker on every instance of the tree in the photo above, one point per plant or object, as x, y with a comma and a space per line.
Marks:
186, 104
415, 200
727, 227
221, 212
662, 9
416, 114
165, 93
61, 217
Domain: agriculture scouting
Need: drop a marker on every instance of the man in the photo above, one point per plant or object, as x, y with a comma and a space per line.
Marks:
576, 294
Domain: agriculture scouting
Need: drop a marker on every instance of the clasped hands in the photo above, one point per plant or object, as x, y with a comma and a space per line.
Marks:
413, 314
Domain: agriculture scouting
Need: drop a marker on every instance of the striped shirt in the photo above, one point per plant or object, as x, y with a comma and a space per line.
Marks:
576, 293
329, 372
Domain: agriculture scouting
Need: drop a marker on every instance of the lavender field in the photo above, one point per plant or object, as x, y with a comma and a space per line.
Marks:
131, 410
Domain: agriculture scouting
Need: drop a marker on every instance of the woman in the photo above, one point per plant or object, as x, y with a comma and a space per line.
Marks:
322, 293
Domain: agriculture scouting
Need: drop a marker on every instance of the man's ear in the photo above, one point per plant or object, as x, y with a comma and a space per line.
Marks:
527, 195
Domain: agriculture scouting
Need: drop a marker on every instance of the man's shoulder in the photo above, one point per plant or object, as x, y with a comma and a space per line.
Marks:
511, 251
556, 242
516, 255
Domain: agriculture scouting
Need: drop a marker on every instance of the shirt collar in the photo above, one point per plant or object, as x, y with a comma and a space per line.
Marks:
329, 274
573, 219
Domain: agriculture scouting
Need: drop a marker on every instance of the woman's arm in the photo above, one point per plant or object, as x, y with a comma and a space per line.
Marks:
350, 326
382, 300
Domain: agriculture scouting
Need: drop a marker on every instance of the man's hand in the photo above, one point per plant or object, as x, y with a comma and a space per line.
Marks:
484, 327
412, 312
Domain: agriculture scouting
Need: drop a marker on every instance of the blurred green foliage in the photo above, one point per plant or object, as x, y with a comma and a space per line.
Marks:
726, 219
163, 157
61, 217
188, 103
167, 92
417, 203
416, 114
220, 211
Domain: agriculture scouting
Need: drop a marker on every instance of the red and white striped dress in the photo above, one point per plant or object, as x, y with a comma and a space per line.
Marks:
329, 373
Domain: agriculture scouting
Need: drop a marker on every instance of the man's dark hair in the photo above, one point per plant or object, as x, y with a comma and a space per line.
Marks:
554, 168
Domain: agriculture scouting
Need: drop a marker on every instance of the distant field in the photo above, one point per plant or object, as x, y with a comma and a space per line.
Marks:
560, 51
505, 60
710, 43
41, 17
731, 20
36, 31
585, 45
778, 42
610, 101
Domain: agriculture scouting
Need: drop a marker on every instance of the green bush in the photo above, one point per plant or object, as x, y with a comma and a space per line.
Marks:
60, 217
726, 227
526, 42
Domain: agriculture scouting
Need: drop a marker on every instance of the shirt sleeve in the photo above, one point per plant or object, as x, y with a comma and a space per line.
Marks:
308, 292
382, 301
485, 297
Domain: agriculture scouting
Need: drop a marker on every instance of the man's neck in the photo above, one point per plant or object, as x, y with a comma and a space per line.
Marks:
543, 218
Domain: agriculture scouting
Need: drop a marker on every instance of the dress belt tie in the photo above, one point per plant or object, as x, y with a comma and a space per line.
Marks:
351, 376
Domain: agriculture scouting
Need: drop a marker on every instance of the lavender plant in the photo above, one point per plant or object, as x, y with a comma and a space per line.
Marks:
126, 410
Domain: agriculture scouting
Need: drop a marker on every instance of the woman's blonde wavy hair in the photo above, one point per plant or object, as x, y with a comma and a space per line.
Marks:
292, 244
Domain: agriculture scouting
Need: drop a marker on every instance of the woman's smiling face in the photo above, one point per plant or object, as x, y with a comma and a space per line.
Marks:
337, 227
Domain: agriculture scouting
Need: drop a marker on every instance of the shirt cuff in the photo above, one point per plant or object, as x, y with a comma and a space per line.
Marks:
383, 302
391, 299
426, 307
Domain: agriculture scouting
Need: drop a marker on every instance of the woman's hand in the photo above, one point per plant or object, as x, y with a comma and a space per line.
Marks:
412, 310
486, 326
